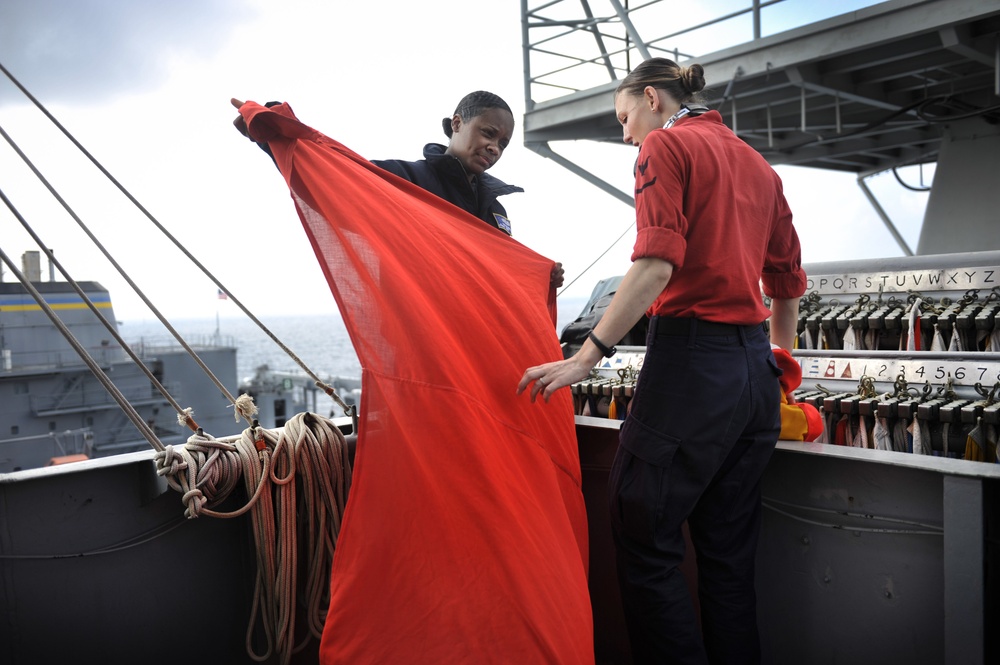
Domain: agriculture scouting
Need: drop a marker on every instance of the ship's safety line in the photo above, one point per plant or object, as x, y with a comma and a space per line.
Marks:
614, 242
112, 389
183, 415
206, 470
348, 410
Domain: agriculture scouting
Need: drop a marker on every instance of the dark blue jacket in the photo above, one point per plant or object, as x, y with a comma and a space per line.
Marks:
443, 175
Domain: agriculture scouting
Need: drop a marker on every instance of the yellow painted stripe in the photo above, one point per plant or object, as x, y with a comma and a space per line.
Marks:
35, 307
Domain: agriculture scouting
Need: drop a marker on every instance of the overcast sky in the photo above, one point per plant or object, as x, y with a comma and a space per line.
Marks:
145, 87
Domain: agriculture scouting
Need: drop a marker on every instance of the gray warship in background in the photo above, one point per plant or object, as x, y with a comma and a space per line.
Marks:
53, 410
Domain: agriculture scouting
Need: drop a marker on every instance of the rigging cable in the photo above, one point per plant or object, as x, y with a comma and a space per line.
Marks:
184, 416
594, 262
206, 470
116, 394
180, 246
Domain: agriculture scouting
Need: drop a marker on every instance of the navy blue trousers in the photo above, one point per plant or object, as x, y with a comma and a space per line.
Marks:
699, 433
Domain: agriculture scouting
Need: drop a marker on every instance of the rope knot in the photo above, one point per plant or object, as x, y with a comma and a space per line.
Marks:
194, 500
169, 462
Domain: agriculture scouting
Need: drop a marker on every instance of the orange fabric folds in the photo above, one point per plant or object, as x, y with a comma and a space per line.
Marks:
465, 535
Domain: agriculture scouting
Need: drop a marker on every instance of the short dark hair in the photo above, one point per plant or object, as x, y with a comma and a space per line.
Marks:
682, 83
474, 104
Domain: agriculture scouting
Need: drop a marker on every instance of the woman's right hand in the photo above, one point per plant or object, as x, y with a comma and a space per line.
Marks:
550, 377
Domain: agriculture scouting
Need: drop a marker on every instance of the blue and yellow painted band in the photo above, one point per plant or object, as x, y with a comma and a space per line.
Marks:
22, 304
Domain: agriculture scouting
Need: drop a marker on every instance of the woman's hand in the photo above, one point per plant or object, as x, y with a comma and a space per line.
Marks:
550, 377
239, 123
557, 276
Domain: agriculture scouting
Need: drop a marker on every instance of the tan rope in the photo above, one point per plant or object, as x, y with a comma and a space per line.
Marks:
297, 479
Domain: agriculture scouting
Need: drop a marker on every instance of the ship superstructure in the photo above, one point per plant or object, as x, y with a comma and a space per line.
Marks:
52, 407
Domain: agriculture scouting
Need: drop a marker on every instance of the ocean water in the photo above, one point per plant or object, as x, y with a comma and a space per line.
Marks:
320, 341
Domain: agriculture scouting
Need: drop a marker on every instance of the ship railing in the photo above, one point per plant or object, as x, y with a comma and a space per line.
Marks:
66, 442
28, 361
104, 354
91, 395
573, 46
150, 347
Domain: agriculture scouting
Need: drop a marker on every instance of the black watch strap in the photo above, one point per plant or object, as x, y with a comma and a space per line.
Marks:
601, 346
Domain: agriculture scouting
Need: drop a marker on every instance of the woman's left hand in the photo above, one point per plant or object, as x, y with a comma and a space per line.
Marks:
550, 377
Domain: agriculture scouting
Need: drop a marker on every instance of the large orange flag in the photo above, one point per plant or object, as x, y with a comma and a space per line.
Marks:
465, 535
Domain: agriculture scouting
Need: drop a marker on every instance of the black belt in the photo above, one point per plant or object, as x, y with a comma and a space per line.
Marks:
666, 326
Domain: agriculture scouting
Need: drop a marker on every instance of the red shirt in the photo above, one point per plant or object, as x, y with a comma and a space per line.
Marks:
709, 204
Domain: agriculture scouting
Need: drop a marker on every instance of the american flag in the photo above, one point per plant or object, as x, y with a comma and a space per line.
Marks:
223, 295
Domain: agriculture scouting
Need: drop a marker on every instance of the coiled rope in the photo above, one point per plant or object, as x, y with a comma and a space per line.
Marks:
297, 479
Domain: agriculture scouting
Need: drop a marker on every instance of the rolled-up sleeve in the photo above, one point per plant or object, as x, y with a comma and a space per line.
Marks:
783, 276
661, 226
660, 243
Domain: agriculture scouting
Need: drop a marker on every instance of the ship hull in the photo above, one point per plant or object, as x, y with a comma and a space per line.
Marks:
828, 593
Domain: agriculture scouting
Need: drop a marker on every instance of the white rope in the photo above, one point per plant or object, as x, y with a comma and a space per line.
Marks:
297, 479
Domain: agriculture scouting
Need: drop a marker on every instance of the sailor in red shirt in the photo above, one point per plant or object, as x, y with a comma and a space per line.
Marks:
713, 227
713, 208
